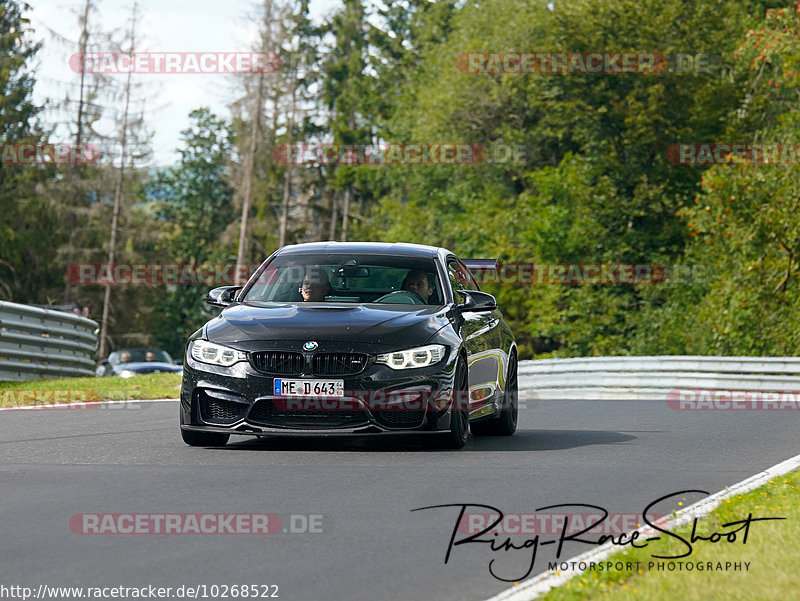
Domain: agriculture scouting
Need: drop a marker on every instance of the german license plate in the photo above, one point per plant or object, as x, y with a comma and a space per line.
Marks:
284, 387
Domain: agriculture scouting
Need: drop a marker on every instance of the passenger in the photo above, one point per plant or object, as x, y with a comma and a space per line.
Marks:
418, 281
125, 357
316, 285
150, 356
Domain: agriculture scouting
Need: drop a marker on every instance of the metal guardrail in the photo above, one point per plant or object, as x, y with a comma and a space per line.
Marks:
37, 343
652, 378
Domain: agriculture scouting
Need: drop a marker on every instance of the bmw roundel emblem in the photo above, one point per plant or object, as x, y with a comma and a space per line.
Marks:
310, 346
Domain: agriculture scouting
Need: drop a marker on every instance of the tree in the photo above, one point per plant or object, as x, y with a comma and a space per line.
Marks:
254, 137
743, 223
349, 95
80, 112
27, 271
194, 205
594, 180
131, 123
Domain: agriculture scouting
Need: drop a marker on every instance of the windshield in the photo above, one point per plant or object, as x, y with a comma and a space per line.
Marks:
348, 278
139, 355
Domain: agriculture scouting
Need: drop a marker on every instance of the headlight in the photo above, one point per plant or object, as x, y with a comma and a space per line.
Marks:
126, 373
422, 356
216, 354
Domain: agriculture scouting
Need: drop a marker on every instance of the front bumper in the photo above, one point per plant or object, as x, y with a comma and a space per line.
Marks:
379, 400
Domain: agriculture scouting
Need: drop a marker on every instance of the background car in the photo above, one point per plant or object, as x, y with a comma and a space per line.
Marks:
352, 338
134, 361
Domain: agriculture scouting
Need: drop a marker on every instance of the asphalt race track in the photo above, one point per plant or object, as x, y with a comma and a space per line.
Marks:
620, 455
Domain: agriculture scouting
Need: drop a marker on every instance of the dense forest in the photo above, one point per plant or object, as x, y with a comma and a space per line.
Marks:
589, 181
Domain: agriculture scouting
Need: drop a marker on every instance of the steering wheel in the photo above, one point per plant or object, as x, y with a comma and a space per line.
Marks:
402, 297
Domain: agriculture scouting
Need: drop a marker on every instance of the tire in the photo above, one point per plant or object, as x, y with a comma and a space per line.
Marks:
504, 424
204, 439
456, 437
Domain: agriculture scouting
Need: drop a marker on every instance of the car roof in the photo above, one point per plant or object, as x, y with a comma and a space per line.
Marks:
139, 348
382, 248
143, 348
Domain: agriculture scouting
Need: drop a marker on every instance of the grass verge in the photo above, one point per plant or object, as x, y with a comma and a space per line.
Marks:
771, 551
69, 390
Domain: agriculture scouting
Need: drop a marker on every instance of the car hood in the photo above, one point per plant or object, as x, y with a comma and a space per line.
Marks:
146, 367
379, 326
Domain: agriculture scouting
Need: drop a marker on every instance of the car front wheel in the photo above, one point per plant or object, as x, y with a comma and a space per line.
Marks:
456, 437
505, 424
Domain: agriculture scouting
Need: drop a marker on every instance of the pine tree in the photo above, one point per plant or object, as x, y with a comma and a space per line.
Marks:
27, 271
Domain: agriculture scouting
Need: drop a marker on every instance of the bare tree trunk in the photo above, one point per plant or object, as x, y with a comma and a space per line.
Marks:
288, 175
345, 213
249, 165
112, 245
308, 208
82, 44
346, 208
325, 204
334, 216
285, 205
249, 168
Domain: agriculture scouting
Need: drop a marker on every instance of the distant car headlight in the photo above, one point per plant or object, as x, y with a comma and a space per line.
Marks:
422, 356
126, 373
215, 354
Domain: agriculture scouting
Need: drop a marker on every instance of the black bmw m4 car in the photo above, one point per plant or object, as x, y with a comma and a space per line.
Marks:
352, 338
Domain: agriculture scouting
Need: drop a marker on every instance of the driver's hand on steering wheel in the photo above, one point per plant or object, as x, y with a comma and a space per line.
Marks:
403, 297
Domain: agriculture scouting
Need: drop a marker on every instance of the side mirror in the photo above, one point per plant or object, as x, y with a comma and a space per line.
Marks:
222, 296
476, 301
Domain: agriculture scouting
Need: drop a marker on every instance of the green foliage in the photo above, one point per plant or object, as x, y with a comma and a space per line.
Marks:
26, 265
17, 111
592, 184
194, 203
743, 222
595, 186
194, 198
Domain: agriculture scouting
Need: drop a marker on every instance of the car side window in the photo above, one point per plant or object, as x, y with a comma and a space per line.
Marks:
458, 280
471, 284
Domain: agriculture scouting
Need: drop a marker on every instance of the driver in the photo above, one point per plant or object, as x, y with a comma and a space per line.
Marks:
316, 285
417, 281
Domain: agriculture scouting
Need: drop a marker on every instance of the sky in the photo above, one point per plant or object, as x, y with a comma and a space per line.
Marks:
168, 26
